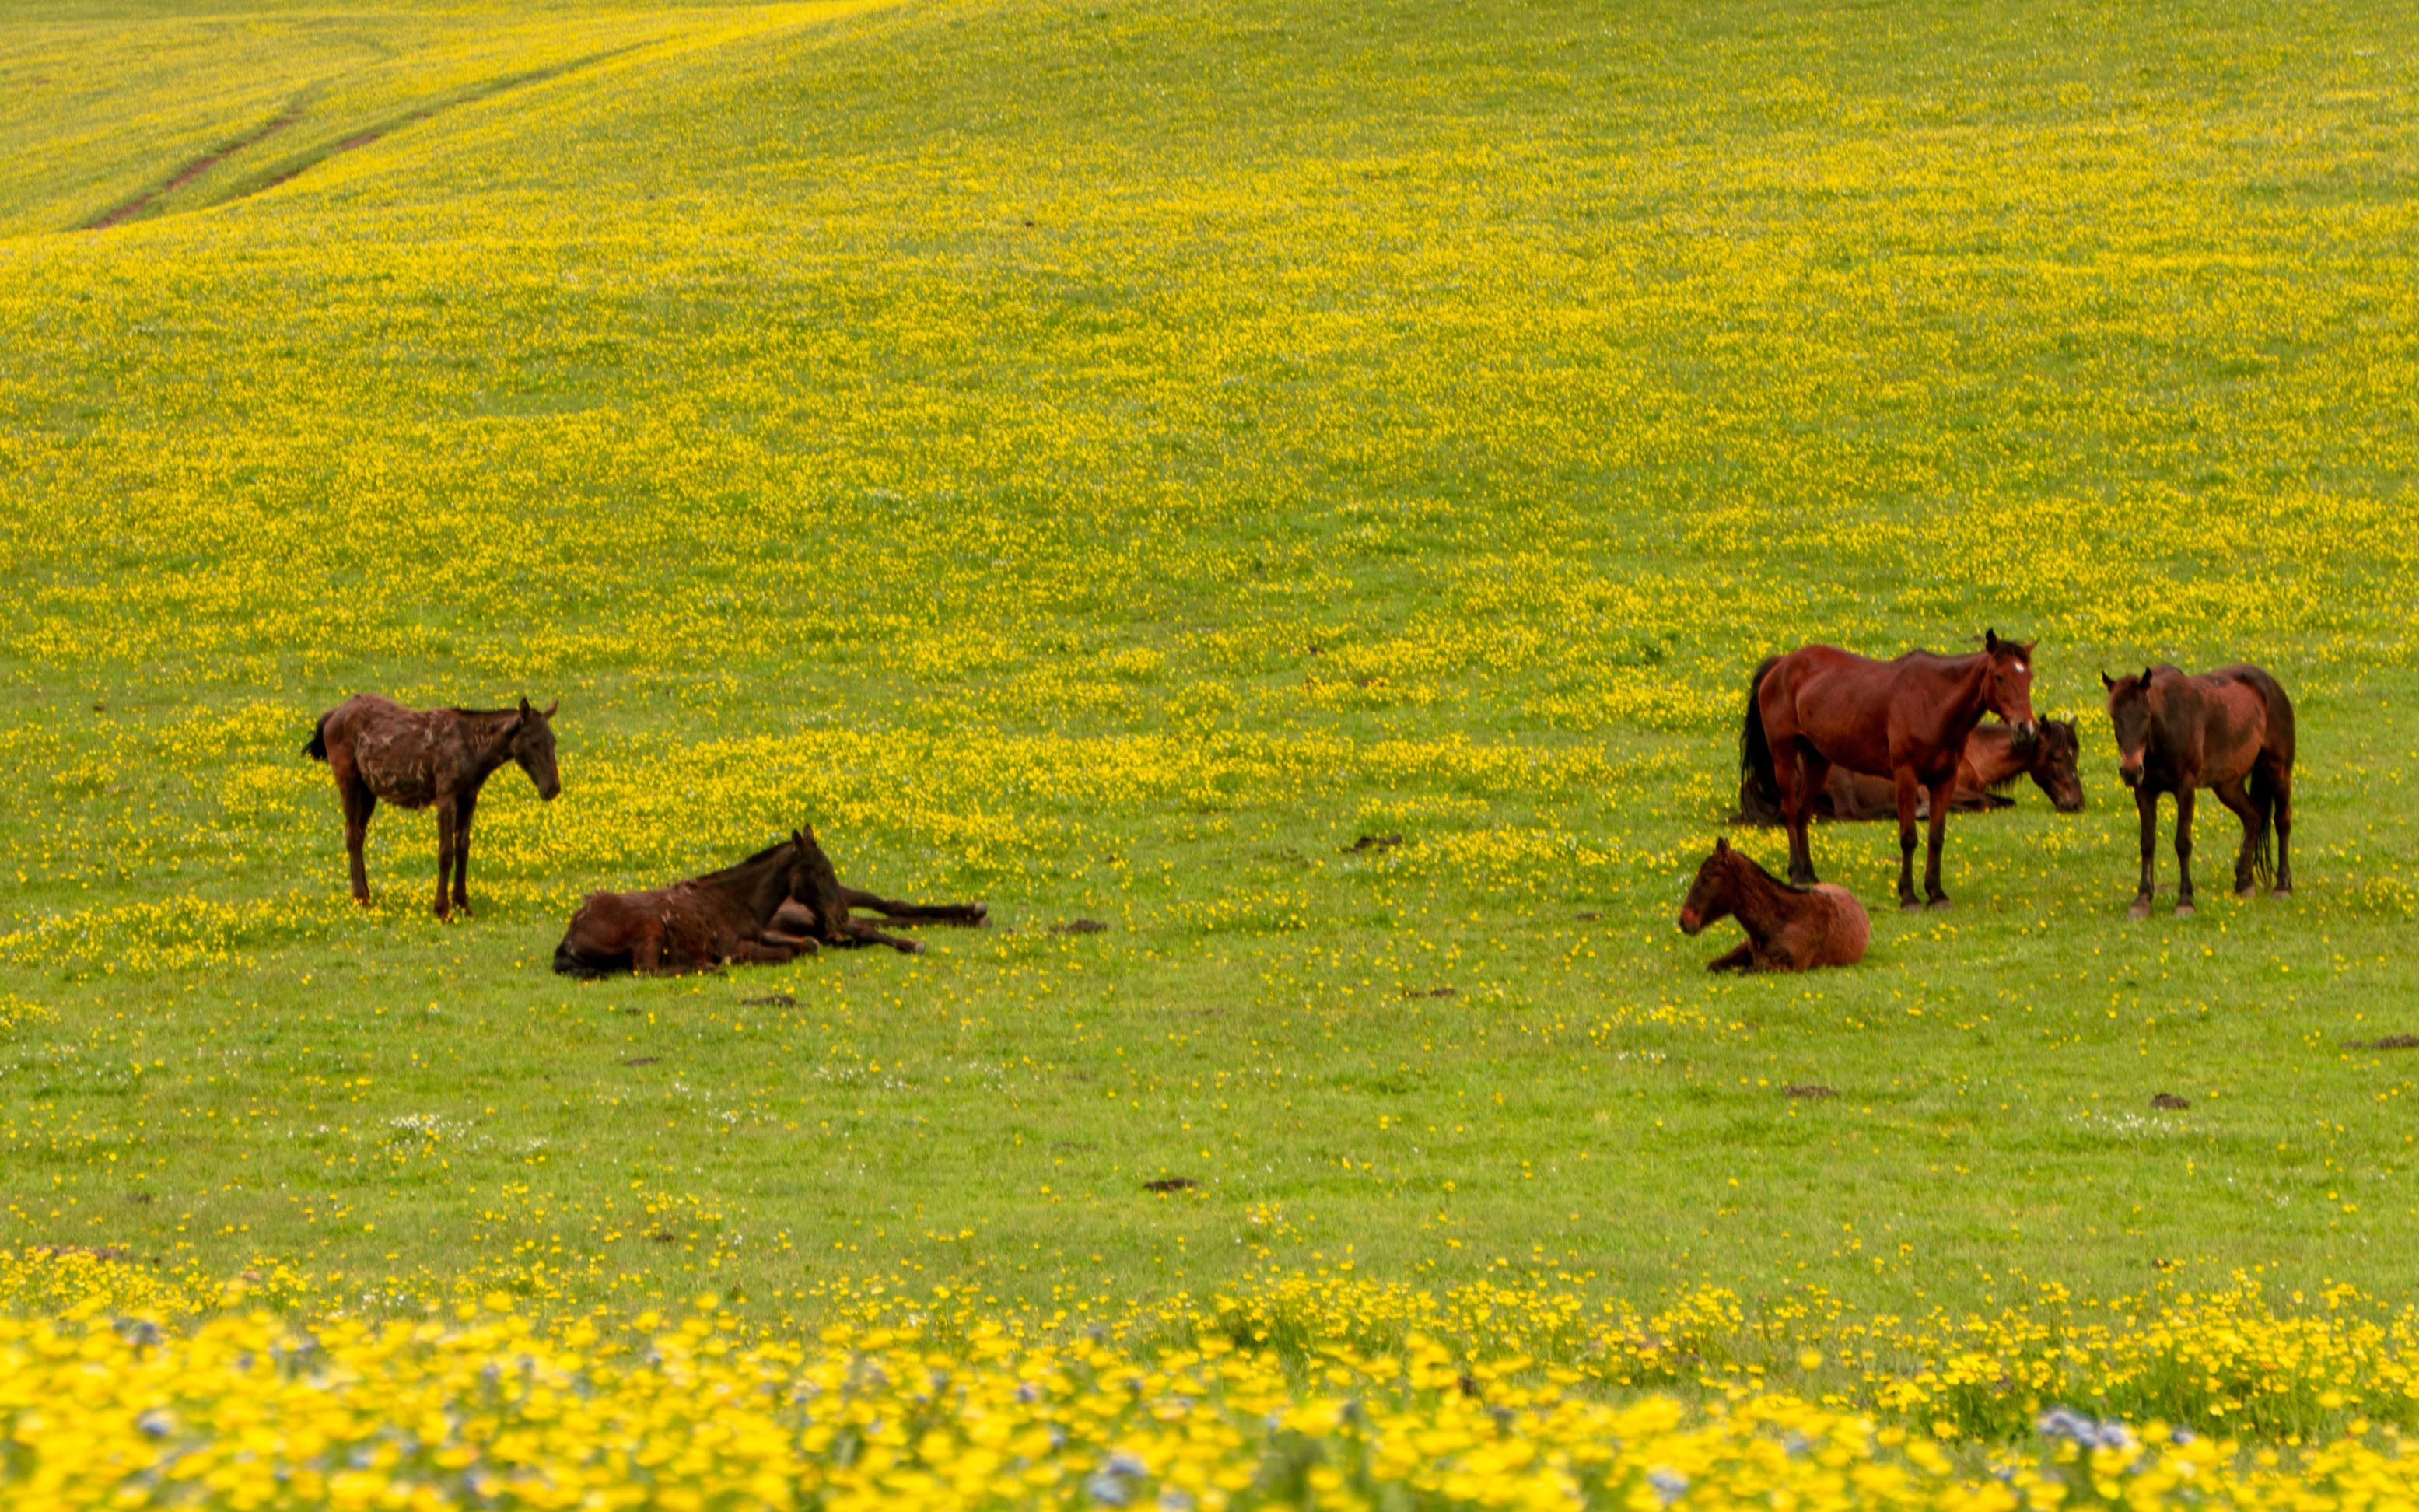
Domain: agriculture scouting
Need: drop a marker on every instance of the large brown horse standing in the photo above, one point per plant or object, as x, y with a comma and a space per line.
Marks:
2229, 731
378, 748
1818, 707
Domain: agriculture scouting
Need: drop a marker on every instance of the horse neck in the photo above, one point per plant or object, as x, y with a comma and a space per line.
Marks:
1993, 753
764, 888
491, 742
1758, 902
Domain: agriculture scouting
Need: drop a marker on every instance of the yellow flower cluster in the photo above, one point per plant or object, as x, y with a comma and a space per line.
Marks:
1309, 1392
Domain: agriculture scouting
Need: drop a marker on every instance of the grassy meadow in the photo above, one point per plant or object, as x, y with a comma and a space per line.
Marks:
1104, 459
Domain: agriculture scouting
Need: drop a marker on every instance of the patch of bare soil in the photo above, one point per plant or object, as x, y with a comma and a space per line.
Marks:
190, 172
2392, 1041
1814, 1091
1171, 1184
2171, 1101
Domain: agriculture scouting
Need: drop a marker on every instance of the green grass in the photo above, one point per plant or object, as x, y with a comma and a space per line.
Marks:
1104, 458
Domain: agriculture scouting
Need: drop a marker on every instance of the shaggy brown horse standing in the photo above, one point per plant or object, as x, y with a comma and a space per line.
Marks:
1990, 762
1788, 929
1818, 707
378, 748
2229, 731
705, 921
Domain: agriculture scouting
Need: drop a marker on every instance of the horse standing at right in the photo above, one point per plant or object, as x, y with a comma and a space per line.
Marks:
2229, 731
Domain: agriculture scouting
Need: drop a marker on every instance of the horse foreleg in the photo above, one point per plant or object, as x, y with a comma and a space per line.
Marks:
1934, 893
861, 933
1908, 790
795, 944
2184, 850
769, 952
445, 851
1742, 959
1801, 778
939, 913
2232, 795
2145, 801
469, 804
360, 803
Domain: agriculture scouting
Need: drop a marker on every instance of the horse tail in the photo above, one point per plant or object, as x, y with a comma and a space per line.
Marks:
318, 748
2276, 760
1759, 785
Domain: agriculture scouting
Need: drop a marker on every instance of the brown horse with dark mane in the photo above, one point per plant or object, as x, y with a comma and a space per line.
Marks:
1991, 763
2229, 731
1818, 707
378, 748
783, 902
1788, 929
705, 921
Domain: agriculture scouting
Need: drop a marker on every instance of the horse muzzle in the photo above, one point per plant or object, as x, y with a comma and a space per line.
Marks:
1689, 922
2130, 773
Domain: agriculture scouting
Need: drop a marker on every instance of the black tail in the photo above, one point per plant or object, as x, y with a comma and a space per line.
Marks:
318, 748
1759, 787
2277, 758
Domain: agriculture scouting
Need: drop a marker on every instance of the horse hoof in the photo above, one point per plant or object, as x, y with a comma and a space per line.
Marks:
2141, 909
1908, 905
2282, 889
2184, 910
1937, 903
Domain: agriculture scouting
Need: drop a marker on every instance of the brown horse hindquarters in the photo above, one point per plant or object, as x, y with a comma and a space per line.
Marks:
1844, 943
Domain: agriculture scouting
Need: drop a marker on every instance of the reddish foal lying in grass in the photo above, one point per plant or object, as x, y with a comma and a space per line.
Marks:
1788, 929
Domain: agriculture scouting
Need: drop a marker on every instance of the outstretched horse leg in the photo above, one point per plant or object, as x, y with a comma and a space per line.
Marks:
2282, 817
2184, 850
770, 952
940, 913
2145, 801
861, 933
360, 803
445, 851
469, 804
1908, 790
2234, 797
1934, 893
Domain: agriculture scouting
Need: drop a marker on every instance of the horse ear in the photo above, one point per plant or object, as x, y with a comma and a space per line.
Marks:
1721, 846
798, 840
2107, 682
1990, 639
551, 707
2146, 675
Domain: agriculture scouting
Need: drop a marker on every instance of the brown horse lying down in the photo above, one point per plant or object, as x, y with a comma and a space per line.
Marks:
1989, 761
705, 921
2229, 731
1788, 929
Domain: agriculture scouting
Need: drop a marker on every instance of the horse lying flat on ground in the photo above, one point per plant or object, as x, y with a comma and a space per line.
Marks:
784, 901
705, 921
1788, 929
1990, 762
1818, 707
378, 748
2229, 731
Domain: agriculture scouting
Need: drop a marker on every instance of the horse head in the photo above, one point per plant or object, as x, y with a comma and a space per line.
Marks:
1711, 896
2008, 685
531, 739
2055, 766
2129, 716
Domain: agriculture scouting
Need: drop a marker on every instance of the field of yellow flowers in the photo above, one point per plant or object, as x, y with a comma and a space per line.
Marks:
1303, 487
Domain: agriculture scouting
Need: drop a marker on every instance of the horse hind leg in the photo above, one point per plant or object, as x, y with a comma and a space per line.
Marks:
2280, 815
1935, 895
1801, 777
1908, 791
2255, 834
469, 803
861, 933
2183, 851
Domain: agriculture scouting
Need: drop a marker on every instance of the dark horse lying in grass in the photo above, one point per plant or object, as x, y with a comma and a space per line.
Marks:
2229, 731
1788, 929
378, 748
1818, 707
781, 903
1990, 764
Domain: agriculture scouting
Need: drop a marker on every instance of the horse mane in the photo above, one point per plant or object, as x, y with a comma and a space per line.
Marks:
735, 868
1758, 868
